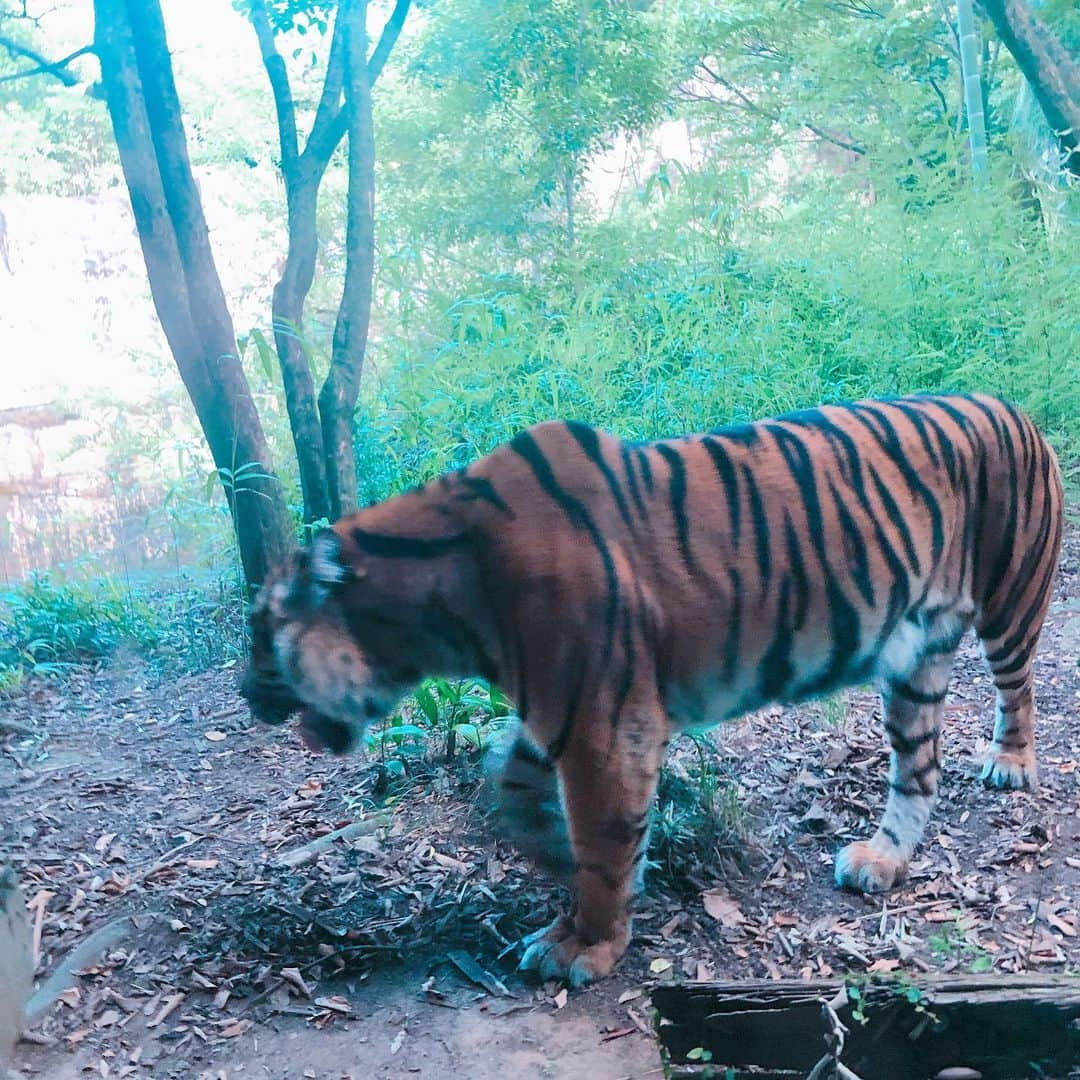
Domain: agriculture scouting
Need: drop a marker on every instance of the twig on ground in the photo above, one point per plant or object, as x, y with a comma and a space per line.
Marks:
309, 852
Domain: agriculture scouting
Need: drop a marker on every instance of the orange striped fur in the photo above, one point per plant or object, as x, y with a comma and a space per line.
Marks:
622, 592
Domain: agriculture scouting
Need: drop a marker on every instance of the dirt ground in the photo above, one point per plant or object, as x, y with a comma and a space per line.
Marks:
155, 814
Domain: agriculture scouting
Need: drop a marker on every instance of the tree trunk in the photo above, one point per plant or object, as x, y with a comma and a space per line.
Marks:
287, 308
145, 113
1054, 76
973, 96
337, 400
302, 173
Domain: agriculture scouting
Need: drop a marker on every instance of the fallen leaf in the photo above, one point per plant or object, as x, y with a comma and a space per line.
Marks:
883, 966
817, 819
1055, 920
237, 1027
398, 1039
560, 998
660, 965
166, 1010
629, 995
215, 736
938, 915
107, 1019
293, 977
720, 906
336, 1004
671, 926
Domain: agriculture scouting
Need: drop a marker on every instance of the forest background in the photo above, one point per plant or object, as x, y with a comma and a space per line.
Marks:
656, 217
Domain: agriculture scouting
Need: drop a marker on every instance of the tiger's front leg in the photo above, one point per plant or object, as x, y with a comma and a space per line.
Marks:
608, 773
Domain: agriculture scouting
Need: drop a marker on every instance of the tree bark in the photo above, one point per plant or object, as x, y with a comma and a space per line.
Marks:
1054, 76
337, 400
302, 174
973, 96
184, 283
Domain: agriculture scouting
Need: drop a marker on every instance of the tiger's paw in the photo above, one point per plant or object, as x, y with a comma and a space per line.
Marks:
1010, 770
557, 952
862, 866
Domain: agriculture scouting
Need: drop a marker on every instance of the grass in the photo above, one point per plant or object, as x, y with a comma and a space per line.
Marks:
698, 813
50, 623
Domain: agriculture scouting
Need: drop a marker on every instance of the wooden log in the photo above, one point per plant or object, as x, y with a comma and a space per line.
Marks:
1001, 1027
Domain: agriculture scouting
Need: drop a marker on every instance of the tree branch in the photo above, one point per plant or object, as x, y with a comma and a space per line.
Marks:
1051, 72
328, 127
752, 106
391, 32
331, 124
56, 68
278, 75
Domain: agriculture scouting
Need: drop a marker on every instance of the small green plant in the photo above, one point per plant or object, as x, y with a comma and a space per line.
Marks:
440, 711
698, 812
12, 676
834, 710
858, 1003
953, 943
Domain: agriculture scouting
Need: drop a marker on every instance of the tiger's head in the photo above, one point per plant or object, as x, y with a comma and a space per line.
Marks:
338, 635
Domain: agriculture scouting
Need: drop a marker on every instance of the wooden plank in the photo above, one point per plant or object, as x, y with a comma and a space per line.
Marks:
1004, 1027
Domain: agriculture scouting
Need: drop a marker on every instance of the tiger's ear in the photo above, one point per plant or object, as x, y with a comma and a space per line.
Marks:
319, 568
325, 566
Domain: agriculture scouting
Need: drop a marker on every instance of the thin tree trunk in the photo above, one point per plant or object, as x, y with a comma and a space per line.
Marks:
1053, 75
145, 114
973, 97
302, 173
337, 400
287, 308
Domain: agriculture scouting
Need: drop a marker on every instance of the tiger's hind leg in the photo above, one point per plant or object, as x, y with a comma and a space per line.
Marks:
913, 709
1011, 622
1010, 761
608, 776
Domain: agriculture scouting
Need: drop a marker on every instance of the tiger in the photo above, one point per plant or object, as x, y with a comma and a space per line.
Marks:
623, 592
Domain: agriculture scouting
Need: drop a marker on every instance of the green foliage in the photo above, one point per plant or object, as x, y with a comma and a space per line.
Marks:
47, 625
54, 622
502, 106
698, 814
696, 330
442, 714
953, 944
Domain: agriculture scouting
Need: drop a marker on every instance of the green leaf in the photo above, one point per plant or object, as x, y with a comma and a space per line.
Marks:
428, 705
266, 354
